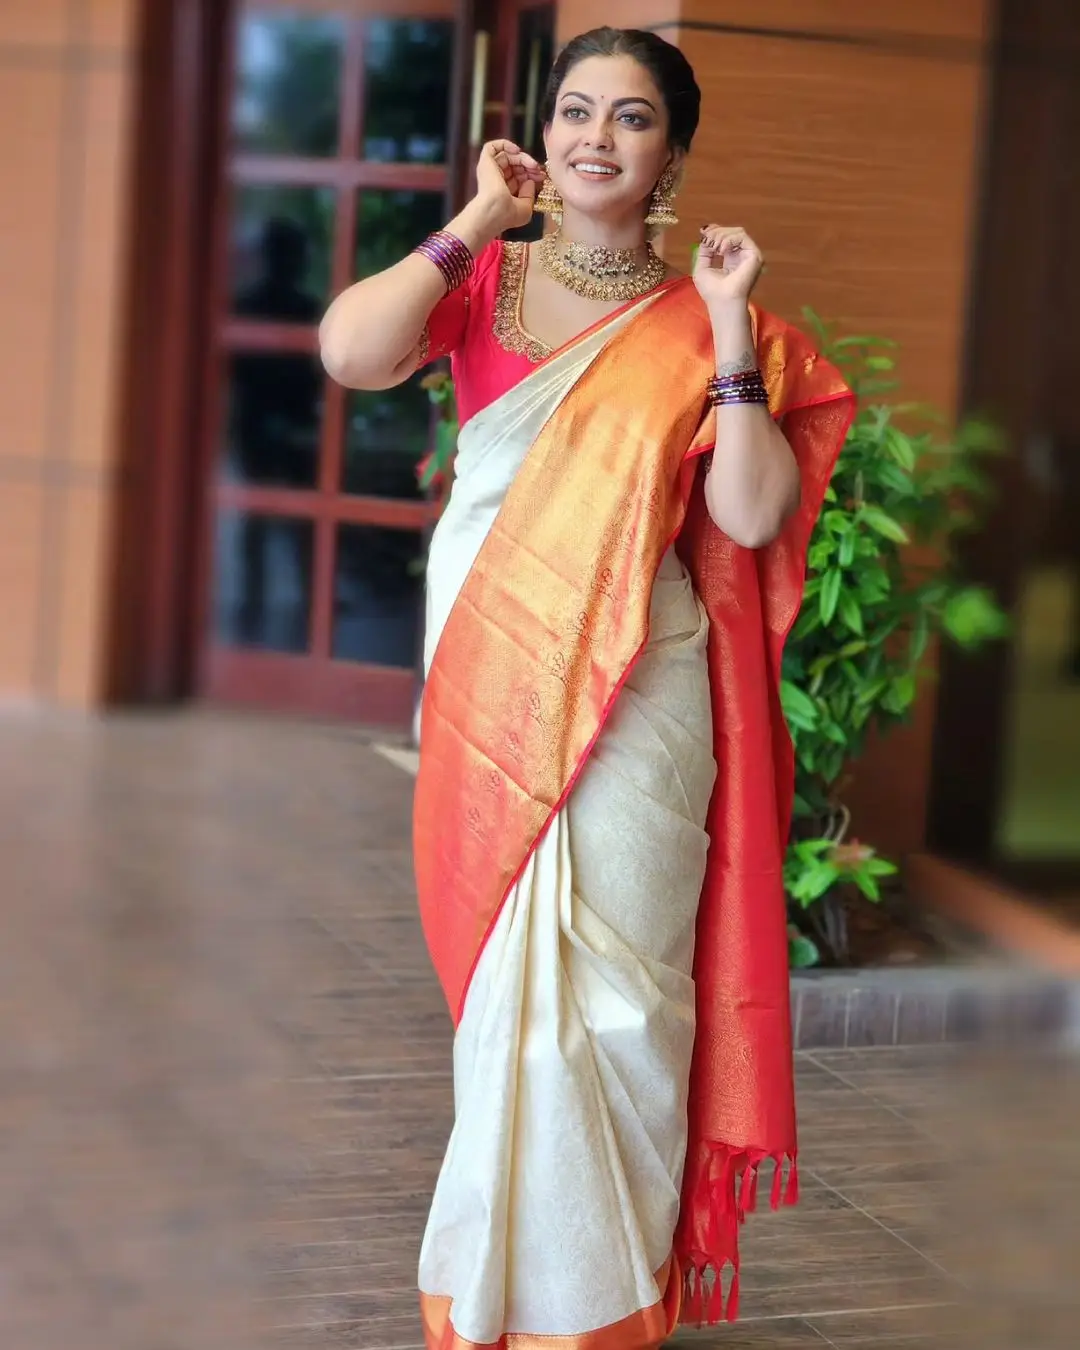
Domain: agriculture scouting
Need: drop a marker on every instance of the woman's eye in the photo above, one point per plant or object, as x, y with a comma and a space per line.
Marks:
572, 113
633, 119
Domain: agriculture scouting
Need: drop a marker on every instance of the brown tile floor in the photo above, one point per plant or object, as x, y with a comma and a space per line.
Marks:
224, 1082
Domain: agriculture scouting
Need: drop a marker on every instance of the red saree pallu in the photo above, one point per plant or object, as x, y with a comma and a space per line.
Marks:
541, 640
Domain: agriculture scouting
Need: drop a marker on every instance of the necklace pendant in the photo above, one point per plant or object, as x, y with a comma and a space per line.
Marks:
598, 273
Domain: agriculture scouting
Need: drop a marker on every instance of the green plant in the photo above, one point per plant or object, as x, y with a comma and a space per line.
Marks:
440, 390
882, 585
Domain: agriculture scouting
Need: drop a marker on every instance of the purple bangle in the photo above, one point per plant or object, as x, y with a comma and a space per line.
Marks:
743, 396
735, 381
453, 258
729, 400
744, 387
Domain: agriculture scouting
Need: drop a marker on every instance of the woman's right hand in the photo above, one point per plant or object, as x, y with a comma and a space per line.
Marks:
507, 181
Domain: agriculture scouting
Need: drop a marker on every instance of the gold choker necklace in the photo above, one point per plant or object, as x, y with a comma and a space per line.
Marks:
599, 273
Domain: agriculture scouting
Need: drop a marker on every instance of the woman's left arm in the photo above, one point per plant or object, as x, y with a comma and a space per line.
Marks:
752, 485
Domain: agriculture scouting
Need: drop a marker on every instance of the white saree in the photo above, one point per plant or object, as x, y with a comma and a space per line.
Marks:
556, 1205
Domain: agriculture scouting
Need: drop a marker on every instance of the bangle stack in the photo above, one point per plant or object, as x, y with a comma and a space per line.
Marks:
450, 256
745, 387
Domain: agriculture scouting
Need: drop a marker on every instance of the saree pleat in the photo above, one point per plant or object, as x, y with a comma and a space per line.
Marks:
557, 1203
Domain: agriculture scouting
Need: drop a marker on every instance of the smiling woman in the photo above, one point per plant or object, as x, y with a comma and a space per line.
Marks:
605, 776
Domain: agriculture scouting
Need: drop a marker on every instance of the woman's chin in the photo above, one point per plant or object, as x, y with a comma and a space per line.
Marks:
598, 202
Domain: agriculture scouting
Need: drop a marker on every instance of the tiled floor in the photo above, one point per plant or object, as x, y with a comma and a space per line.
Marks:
224, 1082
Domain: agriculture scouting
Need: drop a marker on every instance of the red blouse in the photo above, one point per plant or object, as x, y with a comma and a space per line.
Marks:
479, 327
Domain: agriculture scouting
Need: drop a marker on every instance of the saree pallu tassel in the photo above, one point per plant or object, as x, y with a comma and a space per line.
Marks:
542, 637
742, 1109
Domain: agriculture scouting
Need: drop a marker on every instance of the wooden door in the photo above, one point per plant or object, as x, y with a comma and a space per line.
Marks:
338, 158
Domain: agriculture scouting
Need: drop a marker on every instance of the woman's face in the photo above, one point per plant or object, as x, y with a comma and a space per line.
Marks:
608, 141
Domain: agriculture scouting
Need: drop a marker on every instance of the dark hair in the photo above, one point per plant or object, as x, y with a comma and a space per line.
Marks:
672, 72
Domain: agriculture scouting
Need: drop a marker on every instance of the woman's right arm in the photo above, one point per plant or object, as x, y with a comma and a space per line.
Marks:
370, 336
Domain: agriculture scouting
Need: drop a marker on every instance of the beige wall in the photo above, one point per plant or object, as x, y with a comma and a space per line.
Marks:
65, 86
854, 165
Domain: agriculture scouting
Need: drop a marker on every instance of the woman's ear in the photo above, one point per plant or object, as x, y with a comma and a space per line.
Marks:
677, 160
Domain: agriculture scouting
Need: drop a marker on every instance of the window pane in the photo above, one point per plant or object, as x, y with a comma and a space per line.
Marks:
377, 589
262, 581
390, 223
387, 433
288, 82
407, 64
282, 239
273, 419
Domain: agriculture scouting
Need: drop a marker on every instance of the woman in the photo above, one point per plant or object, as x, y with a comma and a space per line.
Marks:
605, 777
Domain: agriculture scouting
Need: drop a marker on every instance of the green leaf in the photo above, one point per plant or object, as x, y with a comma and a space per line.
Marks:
884, 524
836, 522
846, 554
920, 637
971, 617
894, 477
800, 710
830, 594
866, 388
820, 555
814, 882
850, 612
880, 363
976, 435
835, 733
872, 692
900, 695
860, 340
901, 449
868, 886
802, 951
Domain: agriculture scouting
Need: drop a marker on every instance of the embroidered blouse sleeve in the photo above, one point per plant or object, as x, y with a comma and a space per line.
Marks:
444, 331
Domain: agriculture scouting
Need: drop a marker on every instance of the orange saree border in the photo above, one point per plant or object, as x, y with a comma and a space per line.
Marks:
542, 636
642, 1330
541, 639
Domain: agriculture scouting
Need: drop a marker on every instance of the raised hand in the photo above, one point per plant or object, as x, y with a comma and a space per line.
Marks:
728, 265
507, 181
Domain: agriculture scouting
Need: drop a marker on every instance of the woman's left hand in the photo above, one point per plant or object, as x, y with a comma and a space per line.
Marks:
728, 265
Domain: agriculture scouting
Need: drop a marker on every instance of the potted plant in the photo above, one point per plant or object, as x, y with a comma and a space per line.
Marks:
882, 585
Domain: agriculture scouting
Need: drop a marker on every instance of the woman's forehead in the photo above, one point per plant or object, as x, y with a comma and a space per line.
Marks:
607, 78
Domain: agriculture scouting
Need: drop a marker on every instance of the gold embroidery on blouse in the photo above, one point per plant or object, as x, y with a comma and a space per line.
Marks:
506, 324
423, 351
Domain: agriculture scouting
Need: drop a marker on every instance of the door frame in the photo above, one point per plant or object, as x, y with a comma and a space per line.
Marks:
177, 122
1026, 132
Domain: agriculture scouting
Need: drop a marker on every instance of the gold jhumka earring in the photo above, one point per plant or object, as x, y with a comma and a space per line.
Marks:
662, 207
548, 201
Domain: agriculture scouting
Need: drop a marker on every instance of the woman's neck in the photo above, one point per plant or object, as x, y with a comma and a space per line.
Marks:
596, 233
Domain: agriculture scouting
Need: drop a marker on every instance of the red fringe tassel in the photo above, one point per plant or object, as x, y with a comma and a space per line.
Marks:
724, 1191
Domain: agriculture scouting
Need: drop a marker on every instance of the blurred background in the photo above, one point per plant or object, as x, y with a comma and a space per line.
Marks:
210, 556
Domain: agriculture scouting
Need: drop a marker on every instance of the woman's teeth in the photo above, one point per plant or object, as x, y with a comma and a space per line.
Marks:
596, 169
